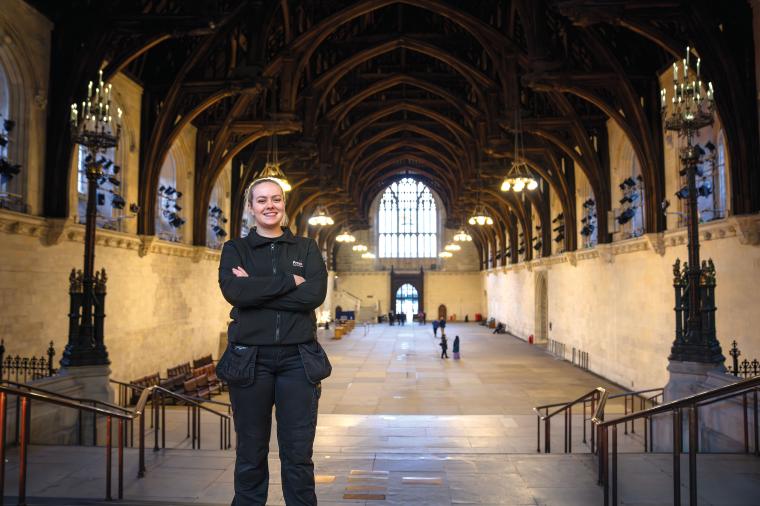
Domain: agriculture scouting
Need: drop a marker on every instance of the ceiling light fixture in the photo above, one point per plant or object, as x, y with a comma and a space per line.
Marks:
519, 176
345, 236
272, 168
480, 216
359, 247
452, 247
368, 255
321, 217
445, 254
462, 236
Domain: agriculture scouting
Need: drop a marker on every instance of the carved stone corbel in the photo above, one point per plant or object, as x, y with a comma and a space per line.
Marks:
146, 244
656, 242
571, 258
56, 231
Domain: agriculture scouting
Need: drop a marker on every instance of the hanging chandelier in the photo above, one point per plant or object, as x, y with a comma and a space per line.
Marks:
345, 236
519, 176
462, 236
359, 247
321, 217
368, 255
272, 168
452, 247
480, 216
445, 254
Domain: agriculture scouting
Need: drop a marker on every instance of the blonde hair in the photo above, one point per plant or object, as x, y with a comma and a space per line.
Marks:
249, 199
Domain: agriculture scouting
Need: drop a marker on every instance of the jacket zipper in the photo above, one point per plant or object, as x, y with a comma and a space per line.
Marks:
274, 272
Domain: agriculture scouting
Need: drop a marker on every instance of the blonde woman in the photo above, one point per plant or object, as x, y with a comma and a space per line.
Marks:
274, 282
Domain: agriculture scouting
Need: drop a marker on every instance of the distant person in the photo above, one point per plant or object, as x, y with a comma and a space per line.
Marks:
455, 348
444, 346
442, 324
435, 328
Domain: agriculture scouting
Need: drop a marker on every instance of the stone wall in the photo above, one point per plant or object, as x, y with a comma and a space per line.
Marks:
163, 304
615, 301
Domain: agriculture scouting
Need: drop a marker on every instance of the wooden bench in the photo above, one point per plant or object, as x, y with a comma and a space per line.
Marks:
182, 370
200, 362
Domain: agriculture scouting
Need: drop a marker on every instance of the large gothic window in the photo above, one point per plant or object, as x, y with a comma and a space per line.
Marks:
407, 221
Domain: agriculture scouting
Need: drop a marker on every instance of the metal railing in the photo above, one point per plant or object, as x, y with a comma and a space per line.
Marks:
195, 406
155, 395
691, 404
26, 397
590, 401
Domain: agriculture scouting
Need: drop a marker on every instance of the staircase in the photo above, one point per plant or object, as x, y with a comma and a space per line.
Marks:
436, 460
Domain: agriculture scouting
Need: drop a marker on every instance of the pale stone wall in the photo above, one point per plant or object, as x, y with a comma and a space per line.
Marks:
615, 301
460, 292
163, 304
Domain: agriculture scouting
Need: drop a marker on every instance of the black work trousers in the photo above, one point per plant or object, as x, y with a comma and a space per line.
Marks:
280, 381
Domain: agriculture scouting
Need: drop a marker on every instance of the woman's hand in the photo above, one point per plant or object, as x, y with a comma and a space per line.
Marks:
239, 272
299, 279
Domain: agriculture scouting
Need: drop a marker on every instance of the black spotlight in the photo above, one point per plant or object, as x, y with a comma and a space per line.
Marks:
134, 208
710, 146
560, 216
683, 193
101, 199
559, 238
589, 203
626, 216
537, 246
114, 181
118, 202
704, 190
629, 182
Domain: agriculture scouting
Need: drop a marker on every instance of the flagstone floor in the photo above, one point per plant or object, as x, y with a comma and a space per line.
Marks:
398, 425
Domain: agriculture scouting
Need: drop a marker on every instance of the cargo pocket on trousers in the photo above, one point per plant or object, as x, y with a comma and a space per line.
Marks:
237, 367
315, 362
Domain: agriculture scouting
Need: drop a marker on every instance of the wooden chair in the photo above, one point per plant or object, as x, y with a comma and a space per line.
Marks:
200, 362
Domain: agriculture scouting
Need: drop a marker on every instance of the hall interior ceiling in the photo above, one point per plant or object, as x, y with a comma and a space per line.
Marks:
363, 93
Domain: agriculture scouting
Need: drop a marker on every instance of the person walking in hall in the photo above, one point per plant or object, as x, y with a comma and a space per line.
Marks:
442, 324
444, 346
274, 281
455, 348
435, 328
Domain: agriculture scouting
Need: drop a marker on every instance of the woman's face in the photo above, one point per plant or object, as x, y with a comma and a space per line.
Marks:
268, 205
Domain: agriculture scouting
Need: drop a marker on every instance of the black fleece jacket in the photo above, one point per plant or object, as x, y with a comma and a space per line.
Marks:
268, 306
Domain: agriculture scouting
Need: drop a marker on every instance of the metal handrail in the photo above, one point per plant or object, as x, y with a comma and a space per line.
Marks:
566, 408
692, 403
192, 397
26, 397
194, 408
155, 393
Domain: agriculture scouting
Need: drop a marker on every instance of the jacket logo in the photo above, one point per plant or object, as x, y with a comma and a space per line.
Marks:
296, 263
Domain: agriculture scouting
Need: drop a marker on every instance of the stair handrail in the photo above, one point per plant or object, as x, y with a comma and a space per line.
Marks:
692, 402
591, 397
185, 396
26, 396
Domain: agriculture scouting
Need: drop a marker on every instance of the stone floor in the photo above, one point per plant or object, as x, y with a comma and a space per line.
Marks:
400, 426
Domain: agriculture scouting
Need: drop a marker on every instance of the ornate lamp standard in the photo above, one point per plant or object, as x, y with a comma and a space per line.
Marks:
693, 108
94, 127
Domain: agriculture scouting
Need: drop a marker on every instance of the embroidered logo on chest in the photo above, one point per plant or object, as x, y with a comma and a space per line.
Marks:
296, 263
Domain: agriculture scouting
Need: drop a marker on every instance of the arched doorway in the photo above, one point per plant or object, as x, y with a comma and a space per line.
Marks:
407, 300
442, 311
542, 308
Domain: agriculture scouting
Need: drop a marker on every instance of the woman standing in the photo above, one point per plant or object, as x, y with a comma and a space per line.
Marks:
274, 281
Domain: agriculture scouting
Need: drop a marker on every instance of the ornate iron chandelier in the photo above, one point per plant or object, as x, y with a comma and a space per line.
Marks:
345, 236
321, 217
518, 176
272, 169
462, 236
480, 216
